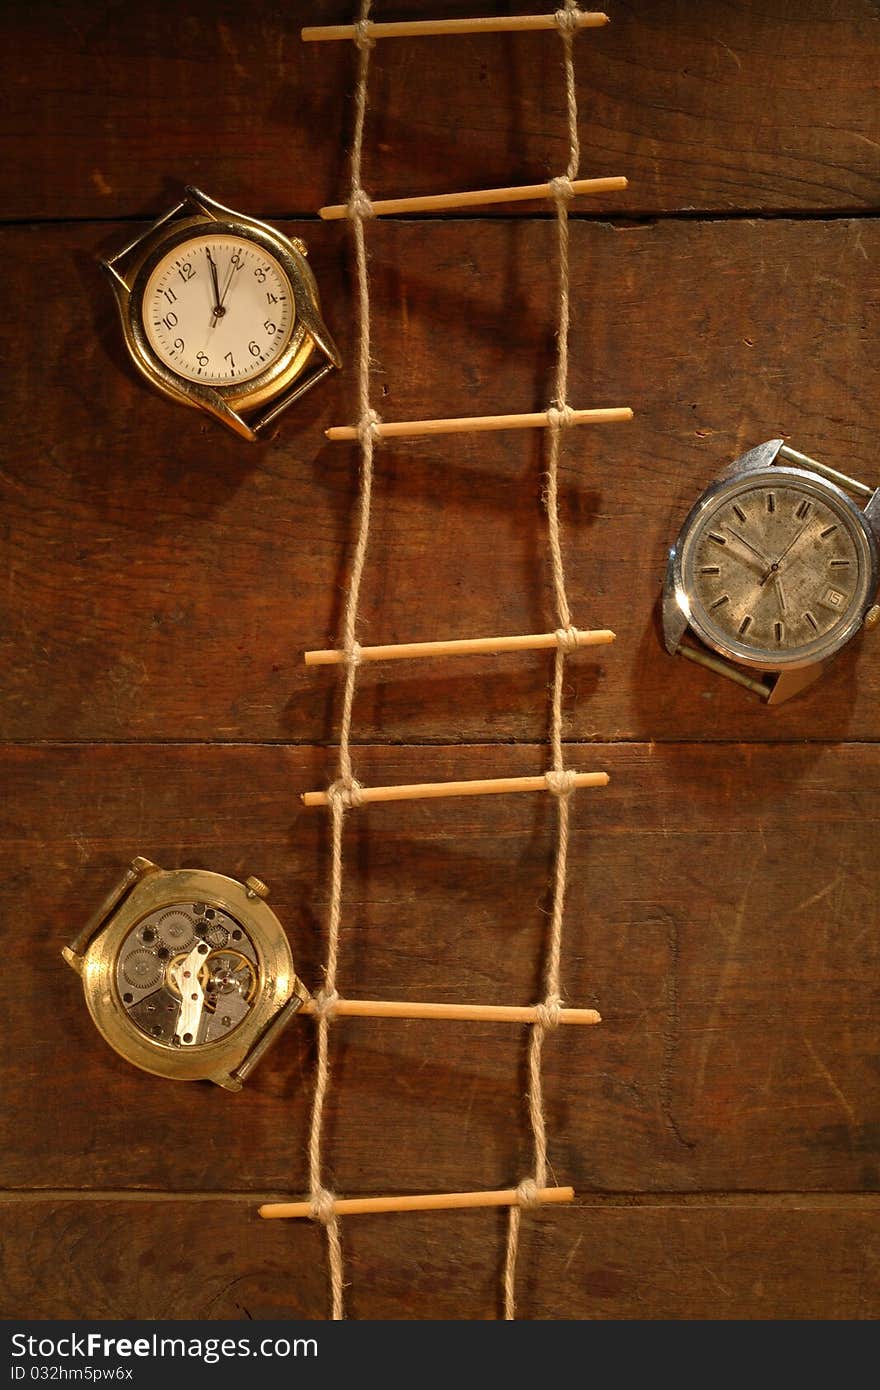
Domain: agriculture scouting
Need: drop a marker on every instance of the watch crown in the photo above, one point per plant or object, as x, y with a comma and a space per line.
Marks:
256, 888
871, 618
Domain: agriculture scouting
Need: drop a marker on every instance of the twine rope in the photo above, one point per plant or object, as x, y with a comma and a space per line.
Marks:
560, 781
345, 791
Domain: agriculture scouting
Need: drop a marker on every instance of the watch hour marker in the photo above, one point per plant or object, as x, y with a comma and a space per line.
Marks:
719, 602
839, 564
804, 509
710, 569
719, 540
829, 530
811, 620
740, 514
779, 630
745, 625
771, 502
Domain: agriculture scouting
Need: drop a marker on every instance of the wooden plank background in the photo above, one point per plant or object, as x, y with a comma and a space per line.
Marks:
163, 578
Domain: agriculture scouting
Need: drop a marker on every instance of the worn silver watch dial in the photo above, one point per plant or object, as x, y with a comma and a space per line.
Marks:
187, 974
775, 568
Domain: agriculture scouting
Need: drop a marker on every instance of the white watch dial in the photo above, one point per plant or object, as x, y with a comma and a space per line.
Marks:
218, 309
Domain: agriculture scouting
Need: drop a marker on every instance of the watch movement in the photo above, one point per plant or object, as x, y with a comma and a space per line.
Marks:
221, 312
186, 973
774, 571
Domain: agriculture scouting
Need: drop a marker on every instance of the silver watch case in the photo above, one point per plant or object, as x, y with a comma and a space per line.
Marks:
679, 615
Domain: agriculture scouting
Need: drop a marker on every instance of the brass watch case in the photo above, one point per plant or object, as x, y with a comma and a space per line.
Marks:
283, 381
144, 889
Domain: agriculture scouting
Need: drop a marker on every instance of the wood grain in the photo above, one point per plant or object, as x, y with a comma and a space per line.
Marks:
163, 579
110, 109
721, 917
670, 1260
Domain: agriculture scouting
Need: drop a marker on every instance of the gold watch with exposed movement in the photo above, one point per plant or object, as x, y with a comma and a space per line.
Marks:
221, 312
187, 974
774, 571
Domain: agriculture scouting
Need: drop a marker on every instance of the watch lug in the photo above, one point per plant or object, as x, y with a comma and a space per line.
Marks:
790, 683
136, 870
234, 1080
117, 284
760, 457
214, 404
229, 1081
73, 960
298, 390
207, 205
316, 330
674, 618
872, 513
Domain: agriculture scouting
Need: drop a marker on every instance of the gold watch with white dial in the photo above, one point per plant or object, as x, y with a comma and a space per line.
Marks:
221, 312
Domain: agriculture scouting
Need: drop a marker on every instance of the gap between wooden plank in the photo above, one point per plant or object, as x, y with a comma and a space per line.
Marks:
774, 1201
634, 216
487, 743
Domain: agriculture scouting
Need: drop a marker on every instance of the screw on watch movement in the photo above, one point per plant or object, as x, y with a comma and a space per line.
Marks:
187, 974
774, 571
221, 312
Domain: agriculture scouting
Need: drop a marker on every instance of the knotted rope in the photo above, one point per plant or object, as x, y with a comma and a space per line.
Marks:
345, 792
559, 780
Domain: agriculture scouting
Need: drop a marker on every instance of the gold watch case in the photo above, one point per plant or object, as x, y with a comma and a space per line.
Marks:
146, 894
246, 406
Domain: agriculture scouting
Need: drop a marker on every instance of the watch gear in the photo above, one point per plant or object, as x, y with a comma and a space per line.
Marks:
142, 969
226, 973
176, 930
215, 934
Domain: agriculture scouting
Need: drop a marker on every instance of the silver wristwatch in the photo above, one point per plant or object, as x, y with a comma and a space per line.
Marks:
774, 571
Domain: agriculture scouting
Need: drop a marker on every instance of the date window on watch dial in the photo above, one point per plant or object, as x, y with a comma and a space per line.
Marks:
833, 598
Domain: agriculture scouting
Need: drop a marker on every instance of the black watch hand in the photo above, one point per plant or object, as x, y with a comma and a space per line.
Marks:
233, 267
777, 562
748, 545
218, 308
